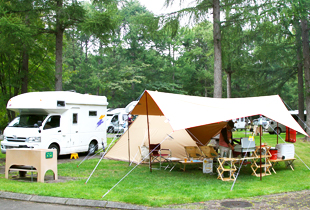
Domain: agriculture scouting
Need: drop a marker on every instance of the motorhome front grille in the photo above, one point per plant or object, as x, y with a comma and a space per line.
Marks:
17, 139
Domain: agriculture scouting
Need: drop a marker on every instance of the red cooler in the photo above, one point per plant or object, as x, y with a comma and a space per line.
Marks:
273, 153
290, 135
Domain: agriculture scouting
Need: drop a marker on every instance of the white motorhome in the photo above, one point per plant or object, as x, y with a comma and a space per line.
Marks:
117, 120
67, 121
241, 123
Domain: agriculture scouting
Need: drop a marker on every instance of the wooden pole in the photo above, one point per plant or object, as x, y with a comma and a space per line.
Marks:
128, 139
277, 133
148, 130
260, 159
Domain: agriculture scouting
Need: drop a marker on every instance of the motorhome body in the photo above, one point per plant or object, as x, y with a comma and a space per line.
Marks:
241, 123
117, 120
67, 121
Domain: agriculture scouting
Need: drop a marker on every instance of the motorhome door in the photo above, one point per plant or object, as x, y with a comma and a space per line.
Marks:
52, 131
74, 131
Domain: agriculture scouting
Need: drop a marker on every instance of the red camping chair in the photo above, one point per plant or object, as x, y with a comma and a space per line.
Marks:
158, 154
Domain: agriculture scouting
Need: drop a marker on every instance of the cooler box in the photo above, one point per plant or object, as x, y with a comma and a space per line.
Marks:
285, 151
274, 153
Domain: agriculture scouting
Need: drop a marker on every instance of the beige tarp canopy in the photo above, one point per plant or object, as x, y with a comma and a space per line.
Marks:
191, 119
198, 114
138, 136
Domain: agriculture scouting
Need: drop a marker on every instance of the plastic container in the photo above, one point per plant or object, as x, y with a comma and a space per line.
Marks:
273, 153
285, 151
207, 165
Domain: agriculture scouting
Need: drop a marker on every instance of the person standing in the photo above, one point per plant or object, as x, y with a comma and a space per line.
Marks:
225, 142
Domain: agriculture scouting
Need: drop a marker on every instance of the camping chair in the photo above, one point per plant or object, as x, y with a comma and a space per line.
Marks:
208, 152
158, 154
193, 152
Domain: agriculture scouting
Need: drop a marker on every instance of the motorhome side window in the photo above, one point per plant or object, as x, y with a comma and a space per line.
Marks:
75, 118
60, 103
92, 113
125, 117
115, 118
52, 122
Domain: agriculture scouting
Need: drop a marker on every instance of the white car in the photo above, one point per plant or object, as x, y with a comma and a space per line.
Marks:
274, 127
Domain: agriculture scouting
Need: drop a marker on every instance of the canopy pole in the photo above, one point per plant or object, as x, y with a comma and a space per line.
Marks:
128, 141
260, 145
148, 130
277, 133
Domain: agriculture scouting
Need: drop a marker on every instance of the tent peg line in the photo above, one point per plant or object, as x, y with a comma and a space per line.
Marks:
296, 115
100, 160
135, 167
240, 168
86, 157
98, 151
137, 151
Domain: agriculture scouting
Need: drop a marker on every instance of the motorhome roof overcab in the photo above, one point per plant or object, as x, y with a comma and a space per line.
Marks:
67, 121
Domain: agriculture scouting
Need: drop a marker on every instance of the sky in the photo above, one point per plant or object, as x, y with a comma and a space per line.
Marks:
157, 6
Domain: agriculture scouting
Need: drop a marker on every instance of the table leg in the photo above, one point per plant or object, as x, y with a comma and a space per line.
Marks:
290, 163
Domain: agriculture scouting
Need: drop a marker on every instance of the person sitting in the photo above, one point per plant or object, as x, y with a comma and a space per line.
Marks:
225, 142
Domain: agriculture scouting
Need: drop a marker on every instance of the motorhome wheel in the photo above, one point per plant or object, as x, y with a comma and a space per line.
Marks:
278, 130
54, 146
110, 129
92, 148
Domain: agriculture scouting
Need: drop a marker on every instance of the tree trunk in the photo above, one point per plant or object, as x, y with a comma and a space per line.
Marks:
301, 99
229, 84
59, 43
217, 50
25, 71
206, 90
305, 44
25, 65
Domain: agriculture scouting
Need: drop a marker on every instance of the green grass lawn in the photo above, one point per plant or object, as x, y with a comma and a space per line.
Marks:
160, 187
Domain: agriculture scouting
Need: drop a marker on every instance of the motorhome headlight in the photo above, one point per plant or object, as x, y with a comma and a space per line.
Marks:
34, 139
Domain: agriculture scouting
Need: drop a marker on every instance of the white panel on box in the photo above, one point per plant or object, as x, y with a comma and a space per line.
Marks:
207, 165
285, 150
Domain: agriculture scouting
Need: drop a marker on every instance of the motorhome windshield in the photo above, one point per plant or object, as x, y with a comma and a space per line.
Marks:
27, 121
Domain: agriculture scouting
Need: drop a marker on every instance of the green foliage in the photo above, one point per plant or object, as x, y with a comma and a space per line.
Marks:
120, 49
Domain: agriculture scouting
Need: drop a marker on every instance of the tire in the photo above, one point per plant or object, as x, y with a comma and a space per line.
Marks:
110, 129
93, 147
55, 146
277, 130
